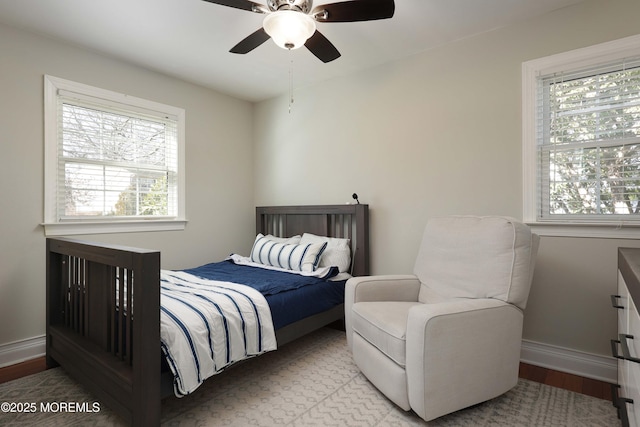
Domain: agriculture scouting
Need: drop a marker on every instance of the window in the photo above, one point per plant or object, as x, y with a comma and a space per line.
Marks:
113, 163
581, 136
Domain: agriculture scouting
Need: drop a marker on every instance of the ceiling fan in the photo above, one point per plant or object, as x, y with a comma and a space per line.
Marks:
292, 23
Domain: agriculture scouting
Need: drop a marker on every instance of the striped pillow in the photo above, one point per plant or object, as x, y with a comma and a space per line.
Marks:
289, 256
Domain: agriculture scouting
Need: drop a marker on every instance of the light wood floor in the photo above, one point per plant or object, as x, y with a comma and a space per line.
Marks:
595, 388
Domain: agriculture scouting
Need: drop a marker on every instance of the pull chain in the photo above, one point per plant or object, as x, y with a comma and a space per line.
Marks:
290, 85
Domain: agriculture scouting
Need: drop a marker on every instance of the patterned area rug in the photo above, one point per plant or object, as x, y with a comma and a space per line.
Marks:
310, 382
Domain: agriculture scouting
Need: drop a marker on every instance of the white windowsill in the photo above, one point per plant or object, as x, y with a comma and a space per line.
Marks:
84, 227
590, 230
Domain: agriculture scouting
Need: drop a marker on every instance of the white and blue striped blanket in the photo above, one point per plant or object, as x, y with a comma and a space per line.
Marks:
206, 325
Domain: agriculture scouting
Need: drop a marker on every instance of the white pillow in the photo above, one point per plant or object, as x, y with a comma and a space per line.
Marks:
289, 240
337, 253
298, 257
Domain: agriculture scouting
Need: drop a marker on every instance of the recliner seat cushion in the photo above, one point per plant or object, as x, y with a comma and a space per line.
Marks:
384, 325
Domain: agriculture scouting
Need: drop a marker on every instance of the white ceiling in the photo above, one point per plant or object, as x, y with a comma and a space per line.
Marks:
190, 39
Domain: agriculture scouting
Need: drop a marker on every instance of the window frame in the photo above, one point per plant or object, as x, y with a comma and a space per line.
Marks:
574, 60
53, 226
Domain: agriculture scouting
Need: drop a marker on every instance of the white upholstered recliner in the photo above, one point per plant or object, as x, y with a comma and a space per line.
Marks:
448, 336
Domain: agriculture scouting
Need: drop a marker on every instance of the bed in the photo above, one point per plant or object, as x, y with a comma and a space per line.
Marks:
119, 359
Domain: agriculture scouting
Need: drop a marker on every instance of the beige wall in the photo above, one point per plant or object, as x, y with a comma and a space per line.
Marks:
435, 134
219, 177
440, 133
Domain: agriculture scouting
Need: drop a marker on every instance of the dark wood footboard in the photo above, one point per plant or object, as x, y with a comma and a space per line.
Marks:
101, 299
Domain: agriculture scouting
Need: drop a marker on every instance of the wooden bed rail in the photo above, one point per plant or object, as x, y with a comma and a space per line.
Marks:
93, 323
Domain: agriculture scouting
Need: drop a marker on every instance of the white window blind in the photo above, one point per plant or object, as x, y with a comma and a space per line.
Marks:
110, 158
588, 139
114, 163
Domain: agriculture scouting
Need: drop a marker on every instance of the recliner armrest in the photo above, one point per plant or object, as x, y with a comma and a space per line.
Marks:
456, 306
398, 287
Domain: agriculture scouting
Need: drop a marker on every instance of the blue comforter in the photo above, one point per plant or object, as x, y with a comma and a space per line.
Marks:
267, 282
291, 296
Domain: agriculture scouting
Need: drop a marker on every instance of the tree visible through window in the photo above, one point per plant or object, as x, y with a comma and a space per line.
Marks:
115, 164
589, 142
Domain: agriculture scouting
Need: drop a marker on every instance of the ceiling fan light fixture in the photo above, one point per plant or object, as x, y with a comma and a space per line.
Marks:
289, 29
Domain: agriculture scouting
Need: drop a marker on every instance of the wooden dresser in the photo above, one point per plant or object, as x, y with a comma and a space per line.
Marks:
626, 348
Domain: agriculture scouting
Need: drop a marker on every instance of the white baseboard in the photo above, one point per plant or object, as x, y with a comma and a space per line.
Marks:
22, 350
562, 359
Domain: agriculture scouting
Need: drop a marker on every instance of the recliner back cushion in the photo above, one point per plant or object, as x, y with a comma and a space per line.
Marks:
476, 257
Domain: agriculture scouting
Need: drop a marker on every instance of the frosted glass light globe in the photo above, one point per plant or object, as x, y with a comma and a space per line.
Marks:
289, 29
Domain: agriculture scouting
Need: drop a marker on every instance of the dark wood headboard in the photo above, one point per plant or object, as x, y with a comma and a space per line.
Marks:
343, 221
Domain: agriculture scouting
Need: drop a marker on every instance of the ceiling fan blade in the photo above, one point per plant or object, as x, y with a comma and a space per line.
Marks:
322, 48
241, 4
354, 10
251, 42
